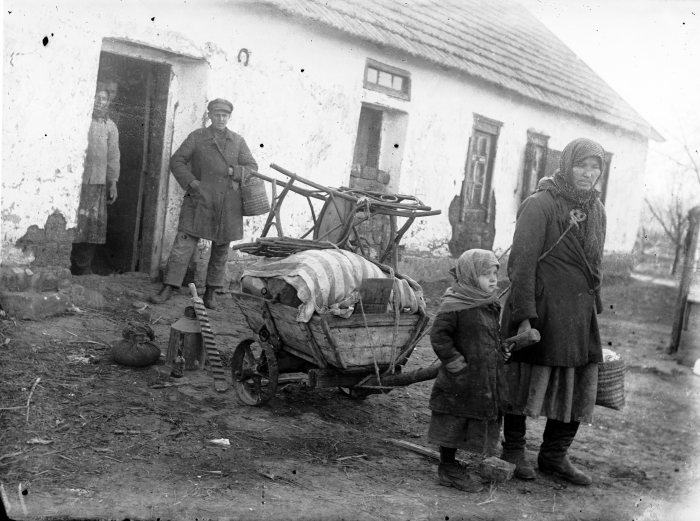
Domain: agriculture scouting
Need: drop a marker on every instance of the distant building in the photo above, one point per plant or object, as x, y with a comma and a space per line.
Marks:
464, 104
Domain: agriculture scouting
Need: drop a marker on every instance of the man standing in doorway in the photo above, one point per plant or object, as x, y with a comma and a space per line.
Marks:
101, 169
209, 165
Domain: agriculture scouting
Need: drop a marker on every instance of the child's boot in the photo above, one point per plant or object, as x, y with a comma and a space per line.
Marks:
514, 446
455, 474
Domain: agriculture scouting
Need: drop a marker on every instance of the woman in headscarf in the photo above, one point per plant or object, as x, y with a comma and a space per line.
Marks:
555, 273
469, 395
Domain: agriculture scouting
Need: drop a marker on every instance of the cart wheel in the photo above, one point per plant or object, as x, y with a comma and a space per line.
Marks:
354, 393
254, 371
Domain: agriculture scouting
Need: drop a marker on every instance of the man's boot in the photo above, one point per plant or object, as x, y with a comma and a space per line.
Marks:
553, 458
163, 295
514, 430
209, 297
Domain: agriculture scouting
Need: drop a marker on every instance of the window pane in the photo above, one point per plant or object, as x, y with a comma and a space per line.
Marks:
479, 173
397, 83
384, 79
482, 150
371, 75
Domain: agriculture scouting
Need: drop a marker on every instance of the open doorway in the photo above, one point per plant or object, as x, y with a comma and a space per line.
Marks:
139, 92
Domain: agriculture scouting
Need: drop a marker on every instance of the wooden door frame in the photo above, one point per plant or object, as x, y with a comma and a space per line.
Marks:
157, 163
156, 175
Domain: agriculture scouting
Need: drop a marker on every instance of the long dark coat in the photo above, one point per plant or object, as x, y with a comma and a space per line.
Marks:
558, 294
216, 213
479, 391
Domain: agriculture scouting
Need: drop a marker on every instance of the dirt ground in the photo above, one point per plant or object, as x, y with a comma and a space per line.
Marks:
99, 442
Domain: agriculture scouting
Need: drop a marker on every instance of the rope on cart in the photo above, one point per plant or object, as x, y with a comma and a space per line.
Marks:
369, 339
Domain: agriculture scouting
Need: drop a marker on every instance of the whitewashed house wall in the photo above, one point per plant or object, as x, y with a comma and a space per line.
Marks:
305, 121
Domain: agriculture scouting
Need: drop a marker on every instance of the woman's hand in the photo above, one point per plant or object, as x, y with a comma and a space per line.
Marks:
112, 192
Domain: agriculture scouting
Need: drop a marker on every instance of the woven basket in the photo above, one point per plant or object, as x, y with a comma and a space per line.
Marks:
611, 385
254, 196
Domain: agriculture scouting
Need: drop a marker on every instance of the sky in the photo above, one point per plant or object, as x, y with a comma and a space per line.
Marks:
648, 51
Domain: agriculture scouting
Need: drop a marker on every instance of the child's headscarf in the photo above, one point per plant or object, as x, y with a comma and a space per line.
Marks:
465, 292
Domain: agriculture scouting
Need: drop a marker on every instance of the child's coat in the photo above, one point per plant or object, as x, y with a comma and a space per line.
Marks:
479, 391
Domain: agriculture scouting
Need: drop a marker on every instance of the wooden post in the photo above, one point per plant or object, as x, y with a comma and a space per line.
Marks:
691, 245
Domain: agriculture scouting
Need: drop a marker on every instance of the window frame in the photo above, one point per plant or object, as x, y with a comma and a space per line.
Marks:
534, 140
605, 177
404, 94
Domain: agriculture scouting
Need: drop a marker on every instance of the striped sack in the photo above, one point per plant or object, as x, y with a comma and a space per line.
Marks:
327, 281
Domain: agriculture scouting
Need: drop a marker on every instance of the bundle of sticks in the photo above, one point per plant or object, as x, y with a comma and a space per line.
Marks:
282, 246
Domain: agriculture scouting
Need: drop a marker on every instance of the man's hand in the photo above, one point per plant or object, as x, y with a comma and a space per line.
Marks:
112, 192
193, 187
455, 366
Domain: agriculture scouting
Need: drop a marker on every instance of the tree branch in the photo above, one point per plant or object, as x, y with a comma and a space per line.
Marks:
695, 167
659, 219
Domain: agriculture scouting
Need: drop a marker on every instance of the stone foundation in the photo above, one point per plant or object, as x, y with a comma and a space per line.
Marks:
34, 279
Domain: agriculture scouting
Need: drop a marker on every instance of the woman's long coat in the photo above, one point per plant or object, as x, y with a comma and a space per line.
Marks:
216, 213
559, 294
480, 390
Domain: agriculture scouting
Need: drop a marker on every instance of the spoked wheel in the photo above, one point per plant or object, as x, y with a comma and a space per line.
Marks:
254, 371
354, 393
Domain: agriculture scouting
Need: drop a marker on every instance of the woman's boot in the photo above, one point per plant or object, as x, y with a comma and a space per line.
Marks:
514, 430
553, 458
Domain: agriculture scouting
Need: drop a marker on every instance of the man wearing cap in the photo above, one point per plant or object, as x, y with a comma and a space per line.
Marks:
209, 166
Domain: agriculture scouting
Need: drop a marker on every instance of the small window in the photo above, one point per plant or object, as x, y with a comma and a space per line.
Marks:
387, 79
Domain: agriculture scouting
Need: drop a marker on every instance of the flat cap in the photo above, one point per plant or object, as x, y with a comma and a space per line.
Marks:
220, 104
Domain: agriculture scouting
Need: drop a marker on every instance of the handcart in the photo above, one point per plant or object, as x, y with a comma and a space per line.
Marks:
362, 354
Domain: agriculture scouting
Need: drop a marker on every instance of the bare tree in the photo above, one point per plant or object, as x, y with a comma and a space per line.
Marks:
673, 218
671, 212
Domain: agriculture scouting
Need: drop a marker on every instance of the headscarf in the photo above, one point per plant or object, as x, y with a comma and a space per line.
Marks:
465, 292
591, 232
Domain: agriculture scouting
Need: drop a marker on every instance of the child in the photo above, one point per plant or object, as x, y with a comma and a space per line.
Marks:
470, 393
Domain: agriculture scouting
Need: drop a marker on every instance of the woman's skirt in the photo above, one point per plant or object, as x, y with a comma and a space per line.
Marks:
92, 215
558, 393
456, 432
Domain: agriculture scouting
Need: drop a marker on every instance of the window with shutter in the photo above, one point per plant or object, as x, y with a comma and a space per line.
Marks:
535, 162
478, 172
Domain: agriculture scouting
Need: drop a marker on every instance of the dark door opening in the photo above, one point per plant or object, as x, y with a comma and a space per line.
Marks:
139, 91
